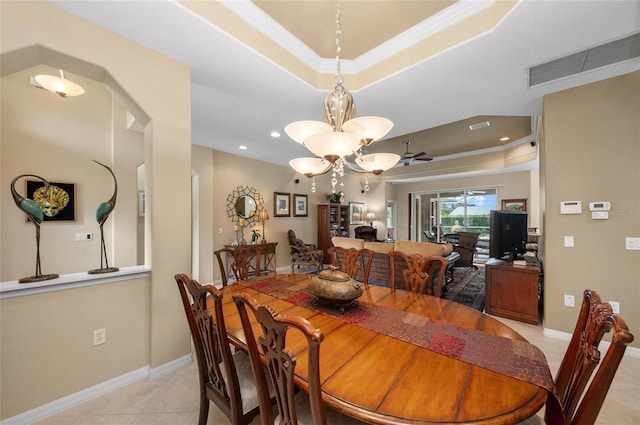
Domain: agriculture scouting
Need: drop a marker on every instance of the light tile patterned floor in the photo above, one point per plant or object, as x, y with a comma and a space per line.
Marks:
173, 400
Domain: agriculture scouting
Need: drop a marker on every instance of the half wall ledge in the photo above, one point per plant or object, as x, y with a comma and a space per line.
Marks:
13, 289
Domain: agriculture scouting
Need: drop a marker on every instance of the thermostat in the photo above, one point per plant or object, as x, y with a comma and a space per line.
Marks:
571, 207
600, 206
600, 210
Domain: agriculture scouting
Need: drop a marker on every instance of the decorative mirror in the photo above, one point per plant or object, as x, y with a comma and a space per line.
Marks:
244, 203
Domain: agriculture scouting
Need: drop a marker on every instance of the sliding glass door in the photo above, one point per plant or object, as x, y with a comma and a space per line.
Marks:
440, 213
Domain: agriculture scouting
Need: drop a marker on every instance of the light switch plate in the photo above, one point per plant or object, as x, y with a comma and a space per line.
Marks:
632, 244
568, 241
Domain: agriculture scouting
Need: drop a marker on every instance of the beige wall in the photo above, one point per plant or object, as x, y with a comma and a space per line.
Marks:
591, 150
151, 329
47, 341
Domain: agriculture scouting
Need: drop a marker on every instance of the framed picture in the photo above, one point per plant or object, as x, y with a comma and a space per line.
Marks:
59, 204
141, 203
356, 213
299, 205
514, 204
281, 204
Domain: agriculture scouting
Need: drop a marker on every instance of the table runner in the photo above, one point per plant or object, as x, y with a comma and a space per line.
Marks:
517, 359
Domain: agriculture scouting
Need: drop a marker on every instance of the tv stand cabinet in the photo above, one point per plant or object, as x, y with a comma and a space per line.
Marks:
512, 291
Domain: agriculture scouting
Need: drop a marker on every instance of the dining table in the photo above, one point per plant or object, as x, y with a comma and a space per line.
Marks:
403, 358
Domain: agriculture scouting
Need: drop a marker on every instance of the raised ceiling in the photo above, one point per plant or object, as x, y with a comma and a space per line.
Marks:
432, 67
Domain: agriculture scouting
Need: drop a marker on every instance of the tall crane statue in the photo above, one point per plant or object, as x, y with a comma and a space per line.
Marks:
35, 214
102, 214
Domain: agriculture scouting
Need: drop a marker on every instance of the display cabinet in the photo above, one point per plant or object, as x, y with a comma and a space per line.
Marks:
333, 220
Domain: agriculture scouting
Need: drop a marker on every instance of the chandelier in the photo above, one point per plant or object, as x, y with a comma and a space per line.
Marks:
341, 136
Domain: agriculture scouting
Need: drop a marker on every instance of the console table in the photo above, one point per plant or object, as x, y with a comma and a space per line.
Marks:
267, 260
512, 291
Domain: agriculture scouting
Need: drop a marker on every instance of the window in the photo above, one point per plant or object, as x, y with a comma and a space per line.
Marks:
453, 211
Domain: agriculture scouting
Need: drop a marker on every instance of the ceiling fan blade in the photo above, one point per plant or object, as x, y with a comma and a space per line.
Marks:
415, 155
423, 159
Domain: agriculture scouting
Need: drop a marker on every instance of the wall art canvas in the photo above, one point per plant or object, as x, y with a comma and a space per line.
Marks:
300, 205
59, 204
356, 213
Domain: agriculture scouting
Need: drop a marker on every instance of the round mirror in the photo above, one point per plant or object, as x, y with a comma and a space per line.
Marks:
245, 206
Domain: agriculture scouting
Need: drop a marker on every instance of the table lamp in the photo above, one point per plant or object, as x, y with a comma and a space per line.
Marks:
263, 216
371, 216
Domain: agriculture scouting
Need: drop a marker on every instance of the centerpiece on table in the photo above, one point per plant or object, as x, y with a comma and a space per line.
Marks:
335, 288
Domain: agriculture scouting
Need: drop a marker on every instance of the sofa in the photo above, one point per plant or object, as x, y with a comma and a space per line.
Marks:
380, 273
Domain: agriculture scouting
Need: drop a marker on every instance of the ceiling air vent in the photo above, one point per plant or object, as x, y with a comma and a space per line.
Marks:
586, 60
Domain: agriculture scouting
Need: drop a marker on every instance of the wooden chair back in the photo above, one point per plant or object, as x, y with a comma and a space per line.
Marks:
216, 367
596, 318
415, 275
280, 361
240, 262
354, 262
436, 268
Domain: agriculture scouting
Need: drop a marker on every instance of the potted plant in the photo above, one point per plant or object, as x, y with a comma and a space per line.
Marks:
335, 198
254, 236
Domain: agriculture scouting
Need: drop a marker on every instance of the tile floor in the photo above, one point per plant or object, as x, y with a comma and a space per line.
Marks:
173, 399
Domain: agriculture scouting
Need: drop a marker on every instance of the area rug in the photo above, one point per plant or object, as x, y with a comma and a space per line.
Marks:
467, 287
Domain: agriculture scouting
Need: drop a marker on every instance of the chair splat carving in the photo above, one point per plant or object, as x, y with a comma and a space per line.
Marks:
583, 358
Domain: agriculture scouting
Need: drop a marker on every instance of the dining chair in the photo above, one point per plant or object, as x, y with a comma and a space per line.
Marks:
354, 262
240, 262
293, 409
436, 268
582, 358
413, 267
225, 379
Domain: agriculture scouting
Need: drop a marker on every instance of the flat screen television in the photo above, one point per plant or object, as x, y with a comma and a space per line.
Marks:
507, 234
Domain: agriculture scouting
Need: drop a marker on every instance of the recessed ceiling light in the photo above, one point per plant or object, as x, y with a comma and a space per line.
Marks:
504, 139
242, 147
275, 134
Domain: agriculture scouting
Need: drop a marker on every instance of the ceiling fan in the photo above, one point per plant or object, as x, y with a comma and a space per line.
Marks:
409, 157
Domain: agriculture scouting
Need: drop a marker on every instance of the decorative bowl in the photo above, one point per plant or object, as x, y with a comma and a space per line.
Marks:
336, 288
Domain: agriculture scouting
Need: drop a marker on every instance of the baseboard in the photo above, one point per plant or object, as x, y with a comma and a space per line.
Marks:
168, 368
76, 399
604, 345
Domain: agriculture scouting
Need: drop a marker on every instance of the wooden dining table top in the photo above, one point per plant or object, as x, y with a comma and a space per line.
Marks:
382, 379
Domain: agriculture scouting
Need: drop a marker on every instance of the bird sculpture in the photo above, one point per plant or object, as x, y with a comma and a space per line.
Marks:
35, 214
102, 214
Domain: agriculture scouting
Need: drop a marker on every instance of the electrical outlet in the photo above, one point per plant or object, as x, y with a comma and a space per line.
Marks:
615, 306
84, 237
569, 301
99, 336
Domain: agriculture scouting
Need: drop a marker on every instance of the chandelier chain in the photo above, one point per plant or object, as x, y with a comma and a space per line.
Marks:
338, 36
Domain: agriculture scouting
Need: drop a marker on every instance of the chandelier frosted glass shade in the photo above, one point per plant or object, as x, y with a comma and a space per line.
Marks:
58, 85
332, 146
300, 130
310, 166
368, 129
378, 162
